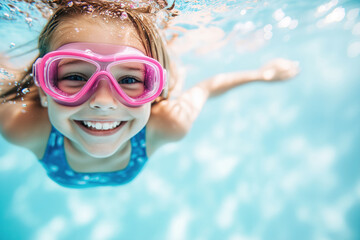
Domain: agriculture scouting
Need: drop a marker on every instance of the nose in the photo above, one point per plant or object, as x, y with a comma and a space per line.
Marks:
103, 97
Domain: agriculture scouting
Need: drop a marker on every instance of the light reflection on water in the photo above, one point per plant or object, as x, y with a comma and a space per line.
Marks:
265, 161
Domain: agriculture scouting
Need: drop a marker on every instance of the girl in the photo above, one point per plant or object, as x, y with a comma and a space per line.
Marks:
99, 102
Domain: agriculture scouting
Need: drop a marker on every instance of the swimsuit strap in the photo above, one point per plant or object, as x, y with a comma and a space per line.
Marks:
58, 169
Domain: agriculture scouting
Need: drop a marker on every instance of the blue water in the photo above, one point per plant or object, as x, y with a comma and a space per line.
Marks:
264, 161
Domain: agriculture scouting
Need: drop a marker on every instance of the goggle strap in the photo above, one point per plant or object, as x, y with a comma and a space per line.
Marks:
166, 87
34, 72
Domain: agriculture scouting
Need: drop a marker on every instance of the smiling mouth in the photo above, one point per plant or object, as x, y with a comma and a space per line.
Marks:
100, 127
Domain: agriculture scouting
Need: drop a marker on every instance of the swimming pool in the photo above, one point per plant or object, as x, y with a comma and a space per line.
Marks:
264, 161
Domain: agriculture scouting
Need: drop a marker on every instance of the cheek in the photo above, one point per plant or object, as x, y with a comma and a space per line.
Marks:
58, 112
142, 113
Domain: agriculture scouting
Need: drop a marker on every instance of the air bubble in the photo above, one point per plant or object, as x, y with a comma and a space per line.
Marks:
70, 4
28, 21
123, 16
90, 9
24, 105
12, 45
25, 90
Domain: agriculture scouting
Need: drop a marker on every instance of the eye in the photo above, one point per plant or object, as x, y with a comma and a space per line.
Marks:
74, 77
128, 80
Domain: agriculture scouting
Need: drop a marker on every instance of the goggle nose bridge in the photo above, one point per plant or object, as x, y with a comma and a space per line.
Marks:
103, 75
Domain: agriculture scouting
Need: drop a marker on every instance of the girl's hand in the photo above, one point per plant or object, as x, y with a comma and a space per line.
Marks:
279, 69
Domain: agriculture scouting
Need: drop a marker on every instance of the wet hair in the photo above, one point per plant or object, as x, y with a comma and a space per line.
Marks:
142, 15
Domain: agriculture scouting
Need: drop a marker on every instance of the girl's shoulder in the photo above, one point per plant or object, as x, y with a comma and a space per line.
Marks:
165, 125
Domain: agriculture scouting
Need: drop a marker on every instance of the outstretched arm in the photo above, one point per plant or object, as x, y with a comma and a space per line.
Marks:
171, 119
275, 70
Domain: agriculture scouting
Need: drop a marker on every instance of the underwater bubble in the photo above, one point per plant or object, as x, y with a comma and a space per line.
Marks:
70, 4
24, 105
25, 90
336, 15
278, 14
326, 7
12, 45
28, 20
293, 24
90, 8
268, 28
285, 22
76, 29
123, 16
108, 13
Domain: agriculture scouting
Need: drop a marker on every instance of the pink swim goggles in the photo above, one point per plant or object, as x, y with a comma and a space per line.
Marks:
70, 75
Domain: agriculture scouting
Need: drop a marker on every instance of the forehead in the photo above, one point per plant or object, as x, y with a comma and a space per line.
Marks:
87, 28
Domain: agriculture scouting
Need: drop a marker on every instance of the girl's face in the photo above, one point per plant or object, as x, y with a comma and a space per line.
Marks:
84, 125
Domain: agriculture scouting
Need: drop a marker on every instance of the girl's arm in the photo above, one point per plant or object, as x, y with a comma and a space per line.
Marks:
171, 119
24, 122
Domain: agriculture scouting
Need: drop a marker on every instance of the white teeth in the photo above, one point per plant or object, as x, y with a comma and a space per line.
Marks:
102, 126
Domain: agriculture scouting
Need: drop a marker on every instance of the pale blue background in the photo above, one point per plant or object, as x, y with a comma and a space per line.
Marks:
264, 161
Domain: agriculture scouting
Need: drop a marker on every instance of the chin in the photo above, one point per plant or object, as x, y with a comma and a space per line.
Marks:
101, 153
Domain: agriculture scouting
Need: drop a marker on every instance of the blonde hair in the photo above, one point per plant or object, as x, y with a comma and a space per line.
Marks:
143, 18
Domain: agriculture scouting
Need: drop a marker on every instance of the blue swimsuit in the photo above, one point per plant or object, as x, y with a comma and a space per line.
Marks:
58, 169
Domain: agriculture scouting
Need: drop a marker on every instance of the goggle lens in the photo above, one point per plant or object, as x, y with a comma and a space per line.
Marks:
68, 75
